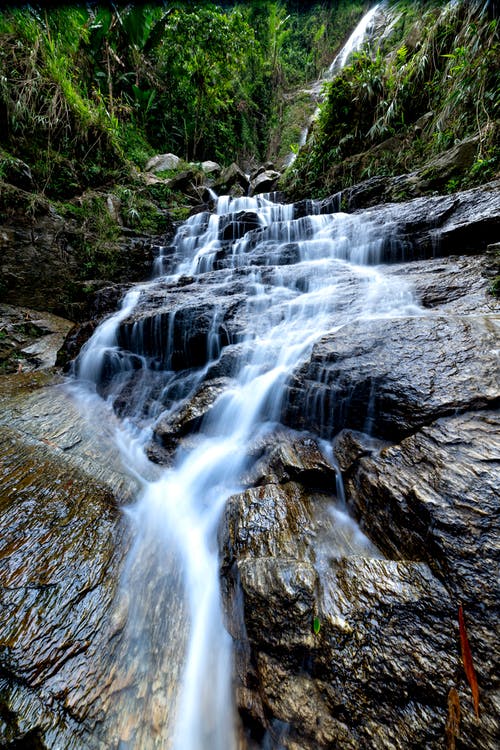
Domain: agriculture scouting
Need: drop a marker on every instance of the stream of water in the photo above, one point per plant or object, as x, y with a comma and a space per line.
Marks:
295, 280
360, 35
302, 278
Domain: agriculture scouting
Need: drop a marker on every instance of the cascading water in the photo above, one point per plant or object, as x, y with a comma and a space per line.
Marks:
356, 40
359, 36
271, 284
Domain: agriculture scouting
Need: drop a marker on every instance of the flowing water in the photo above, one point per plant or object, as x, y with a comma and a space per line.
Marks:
273, 285
361, 34
356, 40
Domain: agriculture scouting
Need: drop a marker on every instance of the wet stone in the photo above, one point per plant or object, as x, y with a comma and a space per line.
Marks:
368, 377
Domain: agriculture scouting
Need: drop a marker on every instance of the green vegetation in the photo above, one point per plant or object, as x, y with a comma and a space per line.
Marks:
431, 84
88, 91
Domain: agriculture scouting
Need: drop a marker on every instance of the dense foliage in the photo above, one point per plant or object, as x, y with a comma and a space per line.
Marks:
433, 82
86, 89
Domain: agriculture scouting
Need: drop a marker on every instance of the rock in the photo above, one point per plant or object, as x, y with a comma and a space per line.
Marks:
42, 266
16, 172
163, 163
236, 225
178, 335
391, 377
114, 207
283, 459
231, 177
256, 172
264, 182
186, 182
426, 180
455, 161
29, 339
211, 167
433, 497
101, 301
385, 652
422, 122
492, 264
49, 581
185, 323
75, 670
377, 673
192, 411
451, 285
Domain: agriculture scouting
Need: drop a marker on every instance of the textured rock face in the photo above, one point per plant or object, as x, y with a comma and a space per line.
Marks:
76, 653
333, 644
367, 376
336, 647
430, 178
41, 266
434, 497
63, 540
29, 339
444, 513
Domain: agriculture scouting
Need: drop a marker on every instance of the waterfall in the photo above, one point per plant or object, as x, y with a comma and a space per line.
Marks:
356, 40
359, 36
293, 278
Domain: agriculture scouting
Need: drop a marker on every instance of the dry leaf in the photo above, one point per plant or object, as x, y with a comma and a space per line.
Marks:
470, 672
452, 729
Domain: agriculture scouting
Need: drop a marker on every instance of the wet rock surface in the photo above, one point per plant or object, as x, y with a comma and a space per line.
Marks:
29, 339
336, 646
333, 643
341, 640
434, 497
70, 676
366, 376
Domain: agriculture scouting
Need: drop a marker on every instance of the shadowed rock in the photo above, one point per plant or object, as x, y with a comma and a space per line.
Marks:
382, 653
434, 497
390, 377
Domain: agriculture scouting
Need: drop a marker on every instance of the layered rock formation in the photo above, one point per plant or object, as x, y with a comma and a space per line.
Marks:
342, 638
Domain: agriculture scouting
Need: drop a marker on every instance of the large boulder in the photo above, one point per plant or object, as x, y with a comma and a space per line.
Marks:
434, 497
163, 163
16, 172
192, 410
231, 177
187, 181
264, 182
391, 377
334, 646
211, 168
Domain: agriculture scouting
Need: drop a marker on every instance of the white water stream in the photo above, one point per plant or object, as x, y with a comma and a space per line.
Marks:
288, 308
361, 34
356, 40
